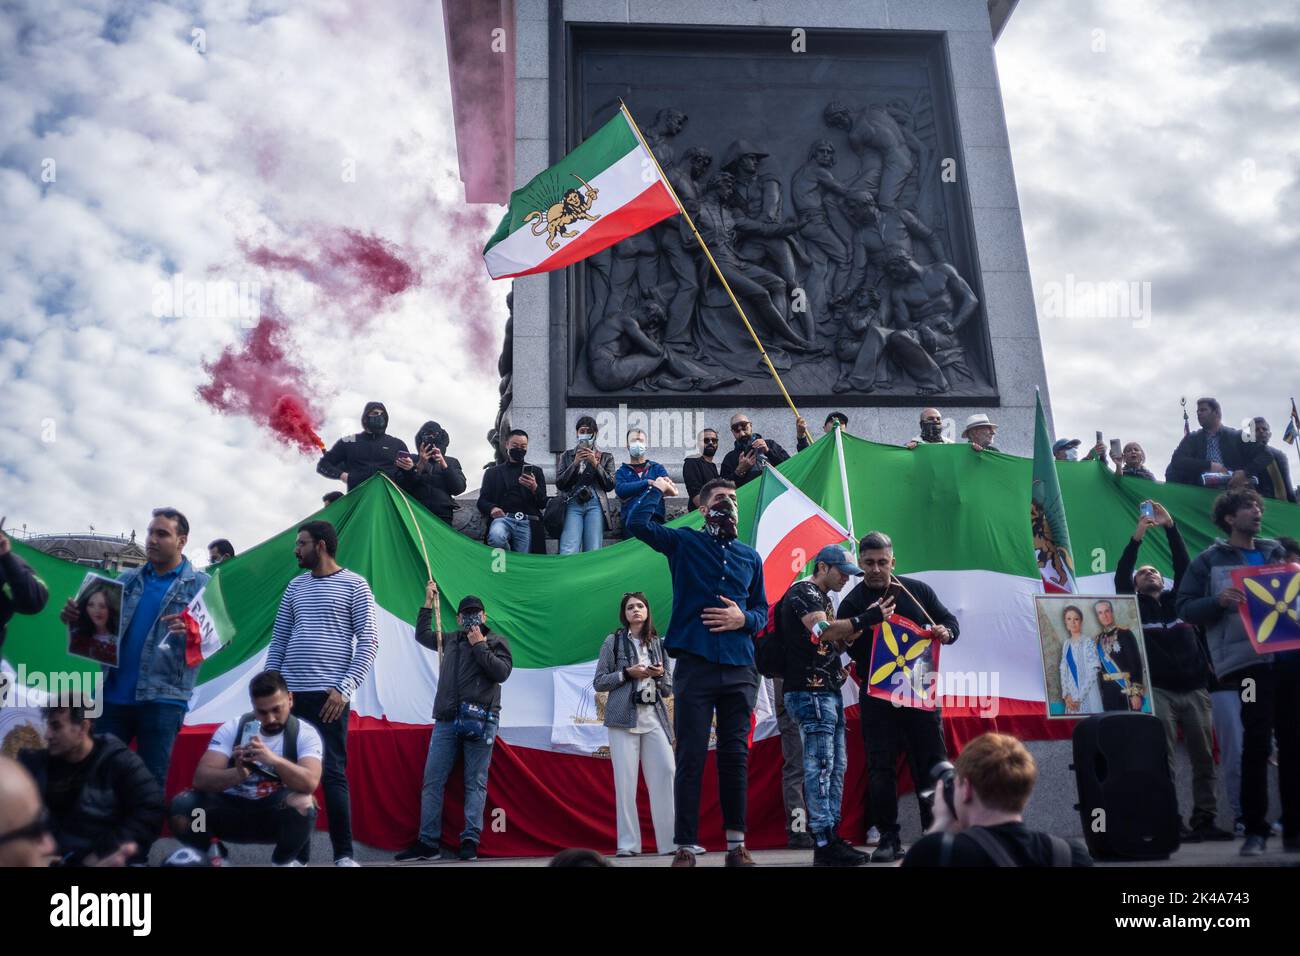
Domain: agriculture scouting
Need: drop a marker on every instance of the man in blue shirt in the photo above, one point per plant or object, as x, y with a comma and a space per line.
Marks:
631, 480
145, 697
718, 605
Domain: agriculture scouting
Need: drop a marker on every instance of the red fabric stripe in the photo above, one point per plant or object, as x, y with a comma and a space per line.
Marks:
808, 536
552, 800
641, 213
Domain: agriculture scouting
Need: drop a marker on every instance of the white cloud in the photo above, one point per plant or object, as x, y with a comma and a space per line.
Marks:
170, 159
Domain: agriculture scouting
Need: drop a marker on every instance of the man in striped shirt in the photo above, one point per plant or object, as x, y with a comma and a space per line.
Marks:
324, 644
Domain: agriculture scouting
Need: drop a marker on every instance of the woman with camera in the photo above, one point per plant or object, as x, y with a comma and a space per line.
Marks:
632, 671
584, 477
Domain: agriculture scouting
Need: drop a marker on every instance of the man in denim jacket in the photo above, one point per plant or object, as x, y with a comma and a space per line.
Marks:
145, 697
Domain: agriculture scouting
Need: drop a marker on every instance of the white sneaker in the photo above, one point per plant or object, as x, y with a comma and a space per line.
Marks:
290, 863
696, 849
873, 837
346, 861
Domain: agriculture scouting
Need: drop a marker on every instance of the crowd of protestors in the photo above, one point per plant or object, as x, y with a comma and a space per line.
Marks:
88, 798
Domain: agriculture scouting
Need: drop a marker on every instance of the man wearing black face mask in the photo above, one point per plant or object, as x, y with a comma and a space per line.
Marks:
355, 458
719, 603
512, 497
931, 430
699, 470
433, 479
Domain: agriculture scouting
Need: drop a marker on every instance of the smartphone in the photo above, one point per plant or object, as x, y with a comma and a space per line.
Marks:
1146, 510
1098, 438
1114, 448
251, 729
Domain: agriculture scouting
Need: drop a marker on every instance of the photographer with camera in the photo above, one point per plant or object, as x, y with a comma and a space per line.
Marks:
432, 479
632, 670
467, 712
752, 453
978, 806
255, 782
584, 477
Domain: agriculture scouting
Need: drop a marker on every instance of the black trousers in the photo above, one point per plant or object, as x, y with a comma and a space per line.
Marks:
702, 689
334, 768
888, 731
240, 820
1270, 705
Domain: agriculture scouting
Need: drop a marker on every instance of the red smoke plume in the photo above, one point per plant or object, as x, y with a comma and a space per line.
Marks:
261, 380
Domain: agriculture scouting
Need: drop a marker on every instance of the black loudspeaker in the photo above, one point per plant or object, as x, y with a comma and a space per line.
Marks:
1127, 802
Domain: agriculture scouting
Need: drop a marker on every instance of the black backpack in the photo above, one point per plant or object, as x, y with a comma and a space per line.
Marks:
769, 649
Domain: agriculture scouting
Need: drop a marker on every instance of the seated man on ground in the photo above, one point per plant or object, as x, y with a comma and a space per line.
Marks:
255, 782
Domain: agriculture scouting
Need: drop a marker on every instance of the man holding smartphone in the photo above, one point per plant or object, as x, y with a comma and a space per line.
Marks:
255, 782
433, 479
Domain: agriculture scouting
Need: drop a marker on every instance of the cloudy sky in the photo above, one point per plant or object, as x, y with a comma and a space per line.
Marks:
1155, 144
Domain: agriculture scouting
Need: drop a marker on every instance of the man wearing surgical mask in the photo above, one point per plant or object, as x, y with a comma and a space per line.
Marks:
632, 480
354, 458
719, 603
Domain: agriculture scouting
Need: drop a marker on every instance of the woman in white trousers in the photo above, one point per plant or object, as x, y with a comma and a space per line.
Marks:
632, 670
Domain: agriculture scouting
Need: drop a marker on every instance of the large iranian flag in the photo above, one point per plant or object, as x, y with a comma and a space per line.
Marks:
957, 520
607, 189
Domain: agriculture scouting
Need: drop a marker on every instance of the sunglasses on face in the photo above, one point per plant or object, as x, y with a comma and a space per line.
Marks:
740, 426
33, 831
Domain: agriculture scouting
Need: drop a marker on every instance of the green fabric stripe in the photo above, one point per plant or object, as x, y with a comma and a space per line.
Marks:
946, 507
596, 154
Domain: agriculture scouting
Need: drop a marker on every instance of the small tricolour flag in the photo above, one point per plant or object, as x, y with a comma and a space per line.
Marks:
208, 627
789, 529
607, 189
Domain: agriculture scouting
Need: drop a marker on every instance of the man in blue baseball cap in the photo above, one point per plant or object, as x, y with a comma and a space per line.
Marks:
813, 675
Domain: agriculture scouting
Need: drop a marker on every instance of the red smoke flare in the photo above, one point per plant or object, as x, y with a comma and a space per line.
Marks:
261, 380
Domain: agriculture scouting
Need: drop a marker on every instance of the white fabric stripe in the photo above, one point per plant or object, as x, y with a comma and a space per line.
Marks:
786, 512
617, 185
998, 650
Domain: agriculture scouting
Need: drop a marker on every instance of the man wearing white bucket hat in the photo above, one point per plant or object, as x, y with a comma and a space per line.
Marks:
979, 431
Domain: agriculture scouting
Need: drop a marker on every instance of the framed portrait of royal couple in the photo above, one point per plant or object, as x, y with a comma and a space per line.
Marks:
1094, 660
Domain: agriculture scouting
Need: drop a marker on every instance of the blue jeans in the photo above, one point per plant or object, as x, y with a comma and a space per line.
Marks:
825, 759
584, 526
444, 747
152, 725
513, 534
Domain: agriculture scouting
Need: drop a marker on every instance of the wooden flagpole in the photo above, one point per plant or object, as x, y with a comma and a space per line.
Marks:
723, 279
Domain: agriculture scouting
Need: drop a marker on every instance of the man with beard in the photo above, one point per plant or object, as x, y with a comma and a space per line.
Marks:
719, 604
621, 353
699, 470
752, 452
888, 730
1123, 678
147, 693
324, 642
254, 784
434, 479
1274, 482
355, 458
1216, 449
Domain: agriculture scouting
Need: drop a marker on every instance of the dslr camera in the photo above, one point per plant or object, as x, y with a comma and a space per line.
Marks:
942, 780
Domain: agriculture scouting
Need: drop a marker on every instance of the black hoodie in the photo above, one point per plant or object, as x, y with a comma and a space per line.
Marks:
361, 455
431, 485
